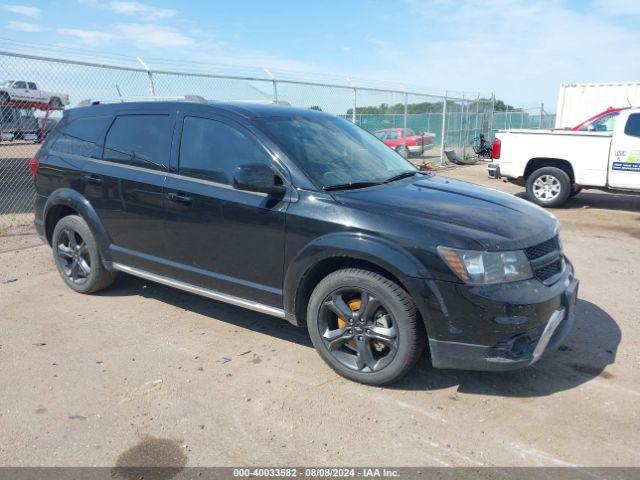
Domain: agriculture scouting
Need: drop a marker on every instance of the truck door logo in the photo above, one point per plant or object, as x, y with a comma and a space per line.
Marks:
627, 163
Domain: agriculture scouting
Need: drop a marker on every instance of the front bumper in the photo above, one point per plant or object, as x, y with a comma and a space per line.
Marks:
512, 332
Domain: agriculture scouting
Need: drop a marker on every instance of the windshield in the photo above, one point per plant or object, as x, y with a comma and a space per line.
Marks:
334, 151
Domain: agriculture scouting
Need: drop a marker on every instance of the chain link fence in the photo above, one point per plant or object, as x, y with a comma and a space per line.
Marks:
36, 89
525, 117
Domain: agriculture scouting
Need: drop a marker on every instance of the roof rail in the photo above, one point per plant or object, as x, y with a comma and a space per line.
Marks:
184, 98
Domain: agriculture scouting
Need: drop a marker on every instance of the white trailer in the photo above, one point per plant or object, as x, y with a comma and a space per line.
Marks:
577, 101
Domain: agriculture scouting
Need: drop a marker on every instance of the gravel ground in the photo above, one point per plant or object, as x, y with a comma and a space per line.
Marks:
142, 373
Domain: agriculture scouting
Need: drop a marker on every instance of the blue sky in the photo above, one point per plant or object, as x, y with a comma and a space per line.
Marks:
521, 50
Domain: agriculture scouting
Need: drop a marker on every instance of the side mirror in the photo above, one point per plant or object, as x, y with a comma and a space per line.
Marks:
257, 177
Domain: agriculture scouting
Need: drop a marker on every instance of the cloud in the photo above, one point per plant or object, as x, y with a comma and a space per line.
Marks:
141, 35
32, 12
618, 7
92, 38
144, 11
24, 26
140, 10
153, 36
519, 49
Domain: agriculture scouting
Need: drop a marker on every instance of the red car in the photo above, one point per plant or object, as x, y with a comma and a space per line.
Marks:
404, 140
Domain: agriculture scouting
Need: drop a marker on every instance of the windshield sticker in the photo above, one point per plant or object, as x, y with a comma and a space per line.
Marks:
627, 163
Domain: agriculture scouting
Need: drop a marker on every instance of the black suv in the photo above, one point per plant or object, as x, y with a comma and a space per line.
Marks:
304, 216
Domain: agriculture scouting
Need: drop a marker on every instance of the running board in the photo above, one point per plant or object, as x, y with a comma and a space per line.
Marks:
187, 287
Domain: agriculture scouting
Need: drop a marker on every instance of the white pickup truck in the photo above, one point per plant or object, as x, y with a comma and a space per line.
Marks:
23, 91
554, 165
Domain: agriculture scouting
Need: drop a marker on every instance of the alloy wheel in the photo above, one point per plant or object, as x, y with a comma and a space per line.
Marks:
357, 330
73, 255
546, 187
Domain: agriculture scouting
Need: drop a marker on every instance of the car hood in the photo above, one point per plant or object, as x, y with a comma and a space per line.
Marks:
495, 220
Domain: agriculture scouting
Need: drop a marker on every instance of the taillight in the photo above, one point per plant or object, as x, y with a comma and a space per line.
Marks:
495, 150
34, 163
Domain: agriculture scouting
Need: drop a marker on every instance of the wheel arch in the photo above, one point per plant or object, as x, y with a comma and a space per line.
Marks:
346, 250
66, 201
541, 162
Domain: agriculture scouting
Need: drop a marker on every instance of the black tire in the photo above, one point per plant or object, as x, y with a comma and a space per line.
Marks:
4, 97
575, 190
548, 187
376, 349
402, 151
77, 258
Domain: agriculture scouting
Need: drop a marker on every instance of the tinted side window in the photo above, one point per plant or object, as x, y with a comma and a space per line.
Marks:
632, 127
80, 136
20, 85
139, 140
212, 150
393, 135
32, 86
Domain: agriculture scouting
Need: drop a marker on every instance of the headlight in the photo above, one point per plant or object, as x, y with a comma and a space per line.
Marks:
487, 267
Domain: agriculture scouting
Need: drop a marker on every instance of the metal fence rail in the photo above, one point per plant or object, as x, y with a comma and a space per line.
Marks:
450, 122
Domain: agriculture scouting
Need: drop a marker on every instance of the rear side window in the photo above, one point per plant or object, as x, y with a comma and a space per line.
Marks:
81, 136
393, 135
32, 86
139, 140
632, 128
212, 150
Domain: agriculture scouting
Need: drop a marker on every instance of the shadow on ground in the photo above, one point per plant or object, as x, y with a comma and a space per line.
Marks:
127, 285
590, 347
600, 200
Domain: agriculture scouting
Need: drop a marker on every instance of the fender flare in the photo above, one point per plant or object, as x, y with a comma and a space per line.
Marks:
75, 200
375, 250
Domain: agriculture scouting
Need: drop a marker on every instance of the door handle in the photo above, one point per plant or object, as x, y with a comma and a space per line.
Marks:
179, 198
93, 179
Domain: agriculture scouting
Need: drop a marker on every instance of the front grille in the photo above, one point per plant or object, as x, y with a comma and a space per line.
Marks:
549, 270
546, 268
542, 249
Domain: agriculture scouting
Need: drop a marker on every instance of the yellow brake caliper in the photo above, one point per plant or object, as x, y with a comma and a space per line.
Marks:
353, 305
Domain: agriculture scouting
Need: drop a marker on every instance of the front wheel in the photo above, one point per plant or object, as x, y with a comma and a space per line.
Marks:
548, 187
365, 326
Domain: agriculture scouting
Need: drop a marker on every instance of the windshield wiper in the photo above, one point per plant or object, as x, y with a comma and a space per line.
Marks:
402, 175
348, 186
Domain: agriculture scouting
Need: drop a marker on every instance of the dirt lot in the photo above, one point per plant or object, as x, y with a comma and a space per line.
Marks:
142, 371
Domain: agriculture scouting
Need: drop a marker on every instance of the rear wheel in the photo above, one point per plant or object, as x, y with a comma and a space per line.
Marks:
4, 97
77, 258
548, 187
365, 326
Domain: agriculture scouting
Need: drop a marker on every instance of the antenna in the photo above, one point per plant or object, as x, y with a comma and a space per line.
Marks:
629, 102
